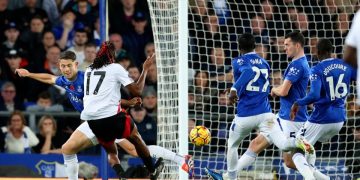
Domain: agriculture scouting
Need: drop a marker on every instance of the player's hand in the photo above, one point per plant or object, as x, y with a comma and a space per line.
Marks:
135, 101
293, 111
150, 60
273, 94
233, 98
22, 72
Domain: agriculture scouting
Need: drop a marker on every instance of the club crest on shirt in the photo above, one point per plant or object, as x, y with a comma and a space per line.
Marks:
71, 87
293, 71
240, 61
313, 77
79, 89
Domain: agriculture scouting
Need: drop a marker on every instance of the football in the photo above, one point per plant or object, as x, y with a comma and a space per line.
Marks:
200, 136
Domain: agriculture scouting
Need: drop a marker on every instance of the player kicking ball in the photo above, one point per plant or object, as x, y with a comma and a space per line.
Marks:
83, 137
330, 80
251, 74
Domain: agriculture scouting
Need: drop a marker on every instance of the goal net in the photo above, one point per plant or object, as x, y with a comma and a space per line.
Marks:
213, 27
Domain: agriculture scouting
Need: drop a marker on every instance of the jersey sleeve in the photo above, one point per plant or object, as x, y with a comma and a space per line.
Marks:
294, 73
59, 81
123, 76
352, 39
315, 89
246, 75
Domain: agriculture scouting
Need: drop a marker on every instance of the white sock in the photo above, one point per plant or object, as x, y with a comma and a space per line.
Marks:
311, 158
71, 166
302, 166
279, 138
246, 160
157, 151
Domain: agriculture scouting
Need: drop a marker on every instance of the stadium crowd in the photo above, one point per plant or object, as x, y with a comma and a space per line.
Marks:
34, 33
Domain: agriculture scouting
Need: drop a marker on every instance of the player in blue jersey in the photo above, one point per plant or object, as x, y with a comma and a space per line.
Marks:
251, 90
330, 80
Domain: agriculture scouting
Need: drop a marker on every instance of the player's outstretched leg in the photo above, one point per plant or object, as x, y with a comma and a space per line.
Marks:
73, 145
144, 154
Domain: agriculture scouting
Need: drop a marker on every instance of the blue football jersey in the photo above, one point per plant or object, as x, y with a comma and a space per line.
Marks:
74, 89
330, 83
251, 75
298, 73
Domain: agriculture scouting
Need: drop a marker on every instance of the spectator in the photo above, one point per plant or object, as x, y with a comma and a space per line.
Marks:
135, 40
272, 18
50, 6
149, 49
352, 109
258, 29
278, 57
342, 25
12, 39
90, 54
149, 99
124, 61
220, 67
83, 12
26, 13
204, 95
262, 50
80, 40
14, 61
222, 105
96, 33
65, 32
49, 142
18, 137
117, 40
8, 101
120, 18
134, 72
51, 65
38, 55
151, 79
33, 36
146, 125
44, 103
6, 16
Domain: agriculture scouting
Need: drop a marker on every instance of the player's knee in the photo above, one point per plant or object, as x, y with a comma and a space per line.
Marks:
67, 148
288, 162
113, 159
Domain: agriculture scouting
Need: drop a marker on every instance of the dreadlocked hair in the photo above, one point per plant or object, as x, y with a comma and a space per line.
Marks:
105, 56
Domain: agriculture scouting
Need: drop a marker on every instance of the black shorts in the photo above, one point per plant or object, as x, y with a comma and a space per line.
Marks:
108, 129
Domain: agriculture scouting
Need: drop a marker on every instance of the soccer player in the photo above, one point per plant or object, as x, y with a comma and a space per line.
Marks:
330, 80
352, 49
293, 87
83, 137
103, 80
251, 73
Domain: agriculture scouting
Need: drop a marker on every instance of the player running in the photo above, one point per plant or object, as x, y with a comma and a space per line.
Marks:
73, 81
330, 80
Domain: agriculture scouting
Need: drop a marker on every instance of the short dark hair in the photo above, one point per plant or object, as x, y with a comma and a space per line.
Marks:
246, 42
68, 55
324, 46
44, 95
296, 37
90, 44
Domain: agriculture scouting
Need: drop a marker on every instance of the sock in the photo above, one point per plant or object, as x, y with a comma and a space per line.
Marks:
302, 166
71, 166
119, 170
157, 151
279, 139
246, 160
149, 163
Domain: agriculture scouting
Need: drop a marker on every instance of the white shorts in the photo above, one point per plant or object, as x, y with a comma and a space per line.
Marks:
85, 129
320, 132
242, 126
290, 128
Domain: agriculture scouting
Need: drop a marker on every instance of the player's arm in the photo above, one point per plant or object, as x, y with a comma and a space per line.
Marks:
42, 77
136, 88
351, 41
130, 103
282, 90
350, 56
240, 85
311, 97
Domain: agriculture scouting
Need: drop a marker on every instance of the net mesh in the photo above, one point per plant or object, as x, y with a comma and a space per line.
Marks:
214, 26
